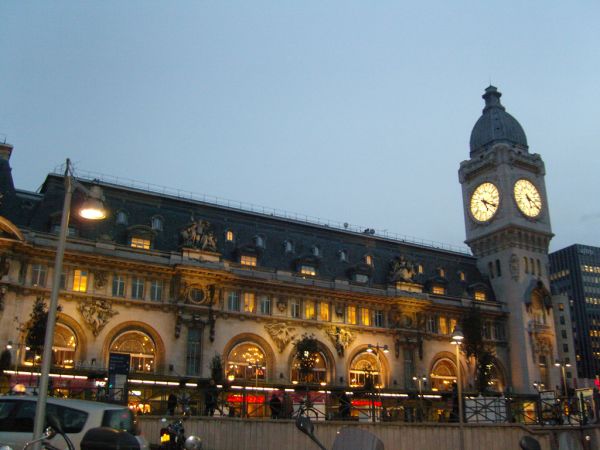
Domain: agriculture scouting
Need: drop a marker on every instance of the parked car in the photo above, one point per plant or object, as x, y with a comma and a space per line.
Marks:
76, 417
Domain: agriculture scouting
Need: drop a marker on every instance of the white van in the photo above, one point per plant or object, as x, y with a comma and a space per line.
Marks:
75, 416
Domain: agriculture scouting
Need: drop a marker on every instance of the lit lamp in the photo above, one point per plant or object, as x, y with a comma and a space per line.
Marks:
375, 348
420, 380
563, 365
92, 209
457, 338
10, 345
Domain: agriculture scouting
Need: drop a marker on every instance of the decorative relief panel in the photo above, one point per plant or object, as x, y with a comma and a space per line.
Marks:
341, 338
281, 333
96, 314
199, 235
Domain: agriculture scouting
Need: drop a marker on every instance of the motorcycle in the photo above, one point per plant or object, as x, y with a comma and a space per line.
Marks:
172, 437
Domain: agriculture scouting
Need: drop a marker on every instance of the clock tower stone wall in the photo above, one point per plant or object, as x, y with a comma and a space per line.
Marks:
511, 245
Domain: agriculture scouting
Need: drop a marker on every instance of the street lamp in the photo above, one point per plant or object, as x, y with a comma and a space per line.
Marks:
420, 380
457, 338
10, 345
92, 209
563, 365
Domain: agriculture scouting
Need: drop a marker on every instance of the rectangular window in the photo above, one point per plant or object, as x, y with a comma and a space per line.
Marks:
431, 324
118, 286
443, 325
565, 348
308, 270
233, 301
248, 260
409, 368
351, 315
38, 275
156, 290
295, 308
264, 302
80, 279
561, 307
249, 302
138, 242
365, 316
229, 236
563, 334
438, 290
480, 296
361, 278
137, 288
378, 318
324, 311
63, 279
562, 320
194, 352
487, 330
310, 310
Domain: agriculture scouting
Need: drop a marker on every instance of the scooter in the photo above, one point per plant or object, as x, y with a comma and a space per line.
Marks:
172, 437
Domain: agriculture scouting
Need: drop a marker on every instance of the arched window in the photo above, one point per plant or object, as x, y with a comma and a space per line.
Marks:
366, 369
157, 223
443, 375
495, 380
140, 347
247, 362
288, 246
64, 346
318, 373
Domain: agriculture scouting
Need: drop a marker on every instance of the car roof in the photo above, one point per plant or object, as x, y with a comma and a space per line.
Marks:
68, 402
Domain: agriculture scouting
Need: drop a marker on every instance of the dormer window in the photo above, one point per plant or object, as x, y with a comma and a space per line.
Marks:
229, 236
438, 290
157, 223
259, 241
288, 246
306, 269
139, 242
121, 218
316, 251
248, 260
441, 272
361, 278
343, 254
368, 260
462, 276
419, 268
480, 296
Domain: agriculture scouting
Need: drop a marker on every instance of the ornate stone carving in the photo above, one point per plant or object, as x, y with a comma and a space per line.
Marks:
281, 334
96, 314
200, 295
100, 278
339, 309
199, 235
401, 270
282, 304
341, 338
514, 267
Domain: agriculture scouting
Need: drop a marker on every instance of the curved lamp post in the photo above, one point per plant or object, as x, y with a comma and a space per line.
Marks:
420, 380
457, 338
563, 365
92, 209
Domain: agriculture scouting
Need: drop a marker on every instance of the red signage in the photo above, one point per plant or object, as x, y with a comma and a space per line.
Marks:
239, 398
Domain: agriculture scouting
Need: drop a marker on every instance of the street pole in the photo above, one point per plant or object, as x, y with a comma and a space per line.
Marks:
457, 338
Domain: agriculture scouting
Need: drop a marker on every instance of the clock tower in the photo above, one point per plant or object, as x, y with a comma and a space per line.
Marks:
507, 226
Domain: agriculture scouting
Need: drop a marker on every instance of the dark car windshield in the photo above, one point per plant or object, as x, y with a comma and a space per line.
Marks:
17, 415
119, 419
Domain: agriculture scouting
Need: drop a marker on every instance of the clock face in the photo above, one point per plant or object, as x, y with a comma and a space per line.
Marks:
528, 198
485, 201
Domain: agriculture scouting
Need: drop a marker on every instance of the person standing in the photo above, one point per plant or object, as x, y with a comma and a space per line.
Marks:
275, 405
210, 399
171, 404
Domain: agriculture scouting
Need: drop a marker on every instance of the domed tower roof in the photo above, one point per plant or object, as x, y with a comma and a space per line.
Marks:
496, 125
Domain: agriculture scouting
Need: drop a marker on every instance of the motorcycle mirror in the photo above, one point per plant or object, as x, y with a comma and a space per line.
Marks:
304, 424
53, 422
529, 443
193, 443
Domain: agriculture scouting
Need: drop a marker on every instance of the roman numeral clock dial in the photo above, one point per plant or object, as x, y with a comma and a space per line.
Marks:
484, 202
528, 198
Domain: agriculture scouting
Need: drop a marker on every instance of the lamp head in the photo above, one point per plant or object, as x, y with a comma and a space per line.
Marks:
370, 348
386, 349
93, 206
457, 335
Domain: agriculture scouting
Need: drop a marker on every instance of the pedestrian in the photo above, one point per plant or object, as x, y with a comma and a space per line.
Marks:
345, 405
287, 406
275, 405
171, 404
210, 399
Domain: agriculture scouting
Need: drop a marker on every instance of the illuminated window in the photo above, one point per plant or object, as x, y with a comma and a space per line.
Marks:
480, 296
324, 311
248, 260
247, 361
307, 270
38, 275
310, 310
229, 236
365, 369
452, 323
438, 290
118, 286
156, 290
420, 268
80, 280
249, 302
138, 242
443, 375
441, 272
443, 325
561, 307
462, 276
368, 259
365, 316
351, 315
141, 349
63, 346
137, 288
316, 374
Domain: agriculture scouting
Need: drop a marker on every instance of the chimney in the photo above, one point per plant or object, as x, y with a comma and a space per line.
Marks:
5, 151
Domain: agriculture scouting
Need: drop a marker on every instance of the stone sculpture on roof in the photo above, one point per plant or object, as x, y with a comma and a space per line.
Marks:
401, 270
199, 235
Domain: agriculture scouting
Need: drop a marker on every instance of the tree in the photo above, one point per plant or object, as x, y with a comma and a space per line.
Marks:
307, 349
36, 327
474, 346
